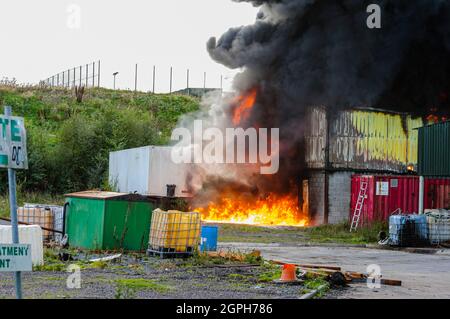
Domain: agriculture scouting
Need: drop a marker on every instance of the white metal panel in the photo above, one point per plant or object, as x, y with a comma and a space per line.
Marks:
128, 170
147, 171
163, 171
31, 235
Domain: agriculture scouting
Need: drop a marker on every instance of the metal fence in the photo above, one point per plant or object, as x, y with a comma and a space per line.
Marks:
164, 81
84, 75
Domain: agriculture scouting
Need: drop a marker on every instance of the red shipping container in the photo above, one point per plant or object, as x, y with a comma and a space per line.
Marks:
436, 193
385, 194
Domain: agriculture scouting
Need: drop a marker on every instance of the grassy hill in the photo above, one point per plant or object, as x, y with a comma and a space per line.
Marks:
69, 142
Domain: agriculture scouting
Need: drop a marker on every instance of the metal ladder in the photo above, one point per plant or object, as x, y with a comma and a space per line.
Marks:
359, 204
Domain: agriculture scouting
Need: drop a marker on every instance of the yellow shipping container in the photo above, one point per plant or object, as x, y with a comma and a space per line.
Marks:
174, 230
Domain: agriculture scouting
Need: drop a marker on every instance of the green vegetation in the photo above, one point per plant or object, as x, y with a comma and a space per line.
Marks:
51, 262
339, 234
229, 257
29, 197
69, 142
315, 283
141, 284
270, 272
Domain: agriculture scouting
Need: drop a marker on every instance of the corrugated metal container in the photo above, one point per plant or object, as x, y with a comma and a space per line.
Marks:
365, 139
107, 220
437, 193
434, 150
385, 194
148, 171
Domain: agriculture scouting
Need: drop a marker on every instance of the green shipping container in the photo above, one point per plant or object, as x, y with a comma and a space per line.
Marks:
108, 221
434, 150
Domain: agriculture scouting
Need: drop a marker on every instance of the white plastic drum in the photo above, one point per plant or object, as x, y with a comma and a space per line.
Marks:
31, 235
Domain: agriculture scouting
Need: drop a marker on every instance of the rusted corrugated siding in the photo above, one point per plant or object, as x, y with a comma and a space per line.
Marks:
315, 139
363, 139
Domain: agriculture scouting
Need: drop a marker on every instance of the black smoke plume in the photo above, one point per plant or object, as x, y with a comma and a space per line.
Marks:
302, 53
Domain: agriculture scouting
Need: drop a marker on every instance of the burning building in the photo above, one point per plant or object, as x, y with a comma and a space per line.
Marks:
353, 141
375, 85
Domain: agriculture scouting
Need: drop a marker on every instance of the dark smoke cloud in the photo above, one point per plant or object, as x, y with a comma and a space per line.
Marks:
307, 52
302, 53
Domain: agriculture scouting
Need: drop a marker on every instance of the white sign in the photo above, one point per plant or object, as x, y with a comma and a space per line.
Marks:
13, 142
382, 188
15, 257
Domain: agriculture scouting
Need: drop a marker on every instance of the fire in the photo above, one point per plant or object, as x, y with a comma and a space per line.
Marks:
244, 105
274, 210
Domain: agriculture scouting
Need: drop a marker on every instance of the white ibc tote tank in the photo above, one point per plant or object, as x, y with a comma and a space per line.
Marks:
31, 235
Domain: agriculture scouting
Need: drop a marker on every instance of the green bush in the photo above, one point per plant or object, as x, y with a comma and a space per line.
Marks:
69, 142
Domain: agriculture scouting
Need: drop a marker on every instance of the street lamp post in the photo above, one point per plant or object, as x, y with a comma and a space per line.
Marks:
115, 74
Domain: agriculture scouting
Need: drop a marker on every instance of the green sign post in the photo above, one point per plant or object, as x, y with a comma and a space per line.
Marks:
13, 142
13, 155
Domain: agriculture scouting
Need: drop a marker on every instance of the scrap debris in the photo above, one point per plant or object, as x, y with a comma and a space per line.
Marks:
338, 277
107, 258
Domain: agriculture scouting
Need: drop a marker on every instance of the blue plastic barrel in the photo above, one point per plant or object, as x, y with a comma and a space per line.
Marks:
209, 238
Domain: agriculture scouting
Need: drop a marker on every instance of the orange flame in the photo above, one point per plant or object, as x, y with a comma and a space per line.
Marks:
244, 105
274, 210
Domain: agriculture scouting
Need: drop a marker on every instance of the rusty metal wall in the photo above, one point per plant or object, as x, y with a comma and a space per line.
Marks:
362, 139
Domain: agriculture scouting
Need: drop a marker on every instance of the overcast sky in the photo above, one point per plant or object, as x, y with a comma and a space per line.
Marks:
42, 38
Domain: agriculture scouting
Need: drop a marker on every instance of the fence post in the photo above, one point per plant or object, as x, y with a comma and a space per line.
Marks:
187, 84
87, 75
154, 75
135, 77
170, 88
93, 74
98, 73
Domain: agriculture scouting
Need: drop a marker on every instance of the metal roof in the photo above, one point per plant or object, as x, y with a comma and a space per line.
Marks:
96, 194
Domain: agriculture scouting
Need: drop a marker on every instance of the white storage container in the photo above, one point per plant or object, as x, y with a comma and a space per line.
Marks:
31, 235
147, 171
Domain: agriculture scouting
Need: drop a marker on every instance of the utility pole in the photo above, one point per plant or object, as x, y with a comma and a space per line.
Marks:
204, 82
114, 75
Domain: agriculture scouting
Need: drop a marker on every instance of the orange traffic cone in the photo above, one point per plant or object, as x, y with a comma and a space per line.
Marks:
288, 274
